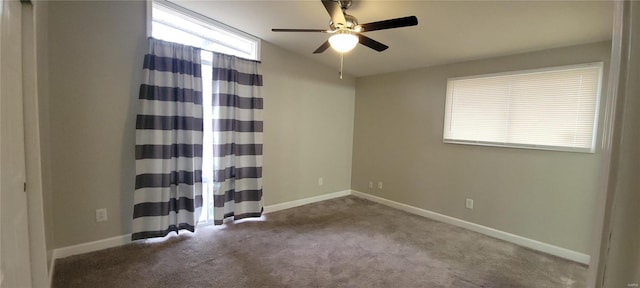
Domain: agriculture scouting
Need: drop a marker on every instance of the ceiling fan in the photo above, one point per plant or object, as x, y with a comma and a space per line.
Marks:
346, 30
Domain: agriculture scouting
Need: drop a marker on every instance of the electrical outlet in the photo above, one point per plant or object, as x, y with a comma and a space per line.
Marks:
370, 184
320, 181
101, 215
469, 203
380, 185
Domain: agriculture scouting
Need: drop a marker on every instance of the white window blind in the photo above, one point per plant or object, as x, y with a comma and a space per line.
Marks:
553, 108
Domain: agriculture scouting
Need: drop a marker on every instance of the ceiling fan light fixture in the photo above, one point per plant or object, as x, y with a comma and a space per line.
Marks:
343, 41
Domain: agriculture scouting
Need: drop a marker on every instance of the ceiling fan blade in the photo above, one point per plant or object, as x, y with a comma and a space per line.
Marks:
390, 23
322, 47
299, 30
335, 11
373, 44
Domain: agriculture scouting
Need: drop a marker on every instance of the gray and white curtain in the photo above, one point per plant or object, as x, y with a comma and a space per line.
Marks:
168, 195
237, 138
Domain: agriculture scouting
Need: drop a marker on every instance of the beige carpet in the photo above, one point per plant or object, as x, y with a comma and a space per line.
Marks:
345, 242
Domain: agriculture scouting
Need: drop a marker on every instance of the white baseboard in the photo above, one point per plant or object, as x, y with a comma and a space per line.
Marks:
519, 240
91, 246
300, 202
51, 266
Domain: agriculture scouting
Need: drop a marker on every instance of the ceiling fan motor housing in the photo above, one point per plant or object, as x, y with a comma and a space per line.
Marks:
352, 23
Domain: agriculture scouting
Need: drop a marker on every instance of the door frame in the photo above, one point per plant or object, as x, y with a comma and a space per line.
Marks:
609, 142
15, 261
33, 158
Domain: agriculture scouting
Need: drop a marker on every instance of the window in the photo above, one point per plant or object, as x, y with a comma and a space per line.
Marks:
173, 23
552, 109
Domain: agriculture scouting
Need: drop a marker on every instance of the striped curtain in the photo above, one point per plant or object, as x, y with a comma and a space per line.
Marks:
237, 138
168, 195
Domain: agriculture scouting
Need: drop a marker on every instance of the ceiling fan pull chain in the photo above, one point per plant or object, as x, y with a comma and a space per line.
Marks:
341, 64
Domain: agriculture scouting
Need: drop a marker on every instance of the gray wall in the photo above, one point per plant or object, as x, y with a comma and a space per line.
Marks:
308, 133
95, 58
542, 195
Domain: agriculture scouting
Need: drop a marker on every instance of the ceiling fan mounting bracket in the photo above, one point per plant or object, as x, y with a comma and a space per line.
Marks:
345, 4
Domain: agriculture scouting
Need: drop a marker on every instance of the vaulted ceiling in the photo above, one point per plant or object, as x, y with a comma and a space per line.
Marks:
448, 31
